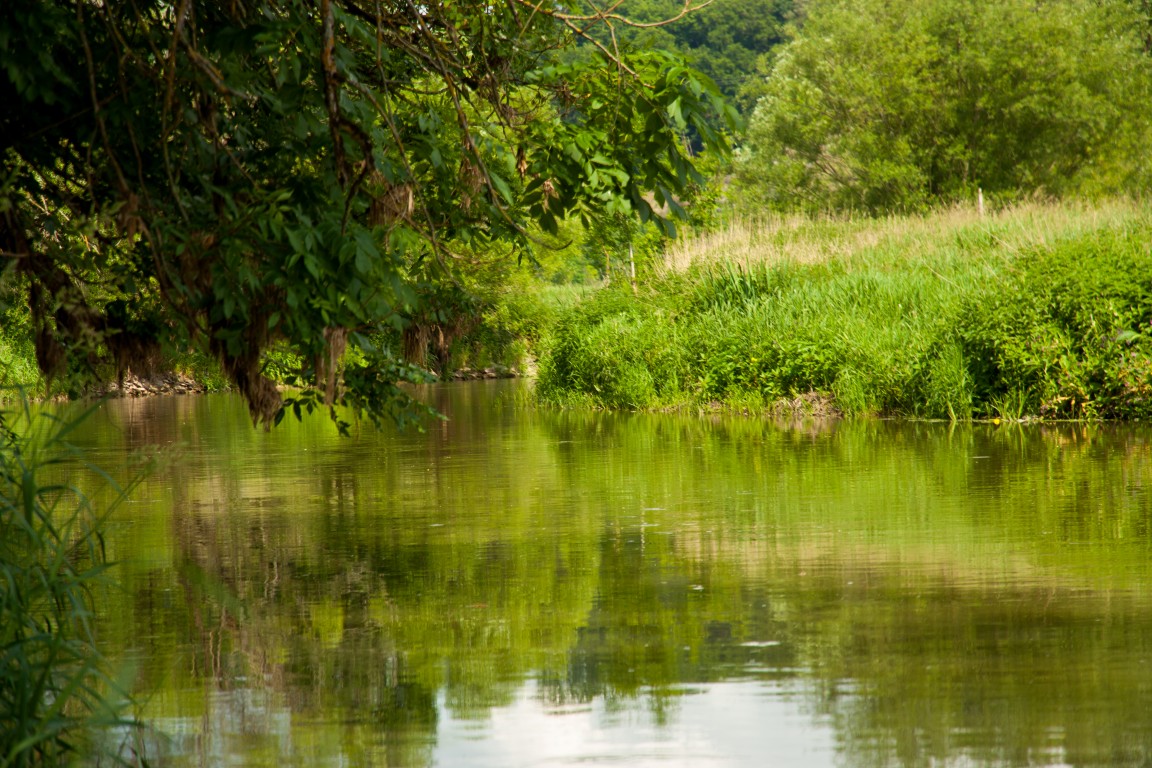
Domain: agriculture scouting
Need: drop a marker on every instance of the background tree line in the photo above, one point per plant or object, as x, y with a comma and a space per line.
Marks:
872, 106
885, 107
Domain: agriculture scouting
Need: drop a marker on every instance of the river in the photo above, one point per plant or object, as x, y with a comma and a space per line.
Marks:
522, 587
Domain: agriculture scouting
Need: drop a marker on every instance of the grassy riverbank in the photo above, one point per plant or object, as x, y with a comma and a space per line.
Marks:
1035, 311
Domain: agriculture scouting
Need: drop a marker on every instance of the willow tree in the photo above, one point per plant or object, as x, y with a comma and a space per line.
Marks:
238, 174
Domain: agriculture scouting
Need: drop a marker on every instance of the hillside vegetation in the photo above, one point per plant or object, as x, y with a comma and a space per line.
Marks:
1039, 310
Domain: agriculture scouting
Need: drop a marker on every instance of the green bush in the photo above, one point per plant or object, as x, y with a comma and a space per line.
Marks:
620, 351
17, 356
1067, 332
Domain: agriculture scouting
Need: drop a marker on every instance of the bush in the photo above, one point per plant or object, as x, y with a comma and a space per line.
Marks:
17, 356
1068, 332
621, 352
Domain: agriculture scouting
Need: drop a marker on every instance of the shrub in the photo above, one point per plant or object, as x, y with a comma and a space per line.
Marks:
1068, 331
621, 351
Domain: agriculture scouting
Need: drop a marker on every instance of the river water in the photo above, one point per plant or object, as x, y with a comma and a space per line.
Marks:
519, 586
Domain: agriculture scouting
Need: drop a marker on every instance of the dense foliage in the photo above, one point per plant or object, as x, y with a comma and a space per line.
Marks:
1066, 332
239, 176
878, 106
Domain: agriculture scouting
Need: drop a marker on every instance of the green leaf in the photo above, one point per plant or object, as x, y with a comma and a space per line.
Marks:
501, 187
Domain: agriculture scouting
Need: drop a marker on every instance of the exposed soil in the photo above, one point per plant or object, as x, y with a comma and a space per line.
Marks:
494, 372
160, 384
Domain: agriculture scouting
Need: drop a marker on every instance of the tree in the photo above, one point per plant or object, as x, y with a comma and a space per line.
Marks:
242, 175
894, 106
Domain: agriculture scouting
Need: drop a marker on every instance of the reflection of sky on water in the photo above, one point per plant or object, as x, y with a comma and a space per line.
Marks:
730, 724
718, 725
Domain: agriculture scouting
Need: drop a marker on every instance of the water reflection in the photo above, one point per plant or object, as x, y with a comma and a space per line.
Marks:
527, 587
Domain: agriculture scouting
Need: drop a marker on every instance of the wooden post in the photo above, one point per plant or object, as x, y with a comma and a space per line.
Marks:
632, 267
980, 201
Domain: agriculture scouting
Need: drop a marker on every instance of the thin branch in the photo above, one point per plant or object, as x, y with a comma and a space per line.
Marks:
609, 14
101, 127
169, 99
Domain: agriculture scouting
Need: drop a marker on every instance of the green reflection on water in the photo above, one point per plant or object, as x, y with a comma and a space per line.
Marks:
932, 594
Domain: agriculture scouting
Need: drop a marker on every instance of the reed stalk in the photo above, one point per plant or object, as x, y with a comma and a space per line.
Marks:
59, 700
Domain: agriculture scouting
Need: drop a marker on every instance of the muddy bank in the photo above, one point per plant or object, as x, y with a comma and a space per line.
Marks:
179, 384
147, 386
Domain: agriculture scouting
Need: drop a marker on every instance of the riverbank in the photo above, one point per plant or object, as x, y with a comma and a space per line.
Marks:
146, 386
176, 383
1040, 311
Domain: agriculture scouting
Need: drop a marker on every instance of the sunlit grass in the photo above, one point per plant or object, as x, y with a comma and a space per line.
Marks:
942, 234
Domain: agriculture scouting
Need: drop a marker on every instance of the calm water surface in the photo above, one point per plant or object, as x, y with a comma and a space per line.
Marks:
520, 587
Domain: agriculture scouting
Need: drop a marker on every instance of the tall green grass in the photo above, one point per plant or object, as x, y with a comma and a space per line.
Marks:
57, 692
1034, 312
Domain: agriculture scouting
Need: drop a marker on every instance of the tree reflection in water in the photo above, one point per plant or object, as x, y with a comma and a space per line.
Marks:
911, 594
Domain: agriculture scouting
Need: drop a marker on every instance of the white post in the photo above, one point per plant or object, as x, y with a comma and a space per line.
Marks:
632, 266
980, 201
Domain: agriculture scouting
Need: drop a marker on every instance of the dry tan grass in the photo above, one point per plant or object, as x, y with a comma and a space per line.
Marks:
777, 239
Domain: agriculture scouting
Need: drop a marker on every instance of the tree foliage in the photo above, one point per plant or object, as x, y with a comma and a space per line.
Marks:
241, 175
723, 40
889, 106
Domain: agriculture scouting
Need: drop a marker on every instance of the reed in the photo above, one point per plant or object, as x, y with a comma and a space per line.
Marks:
59, 700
